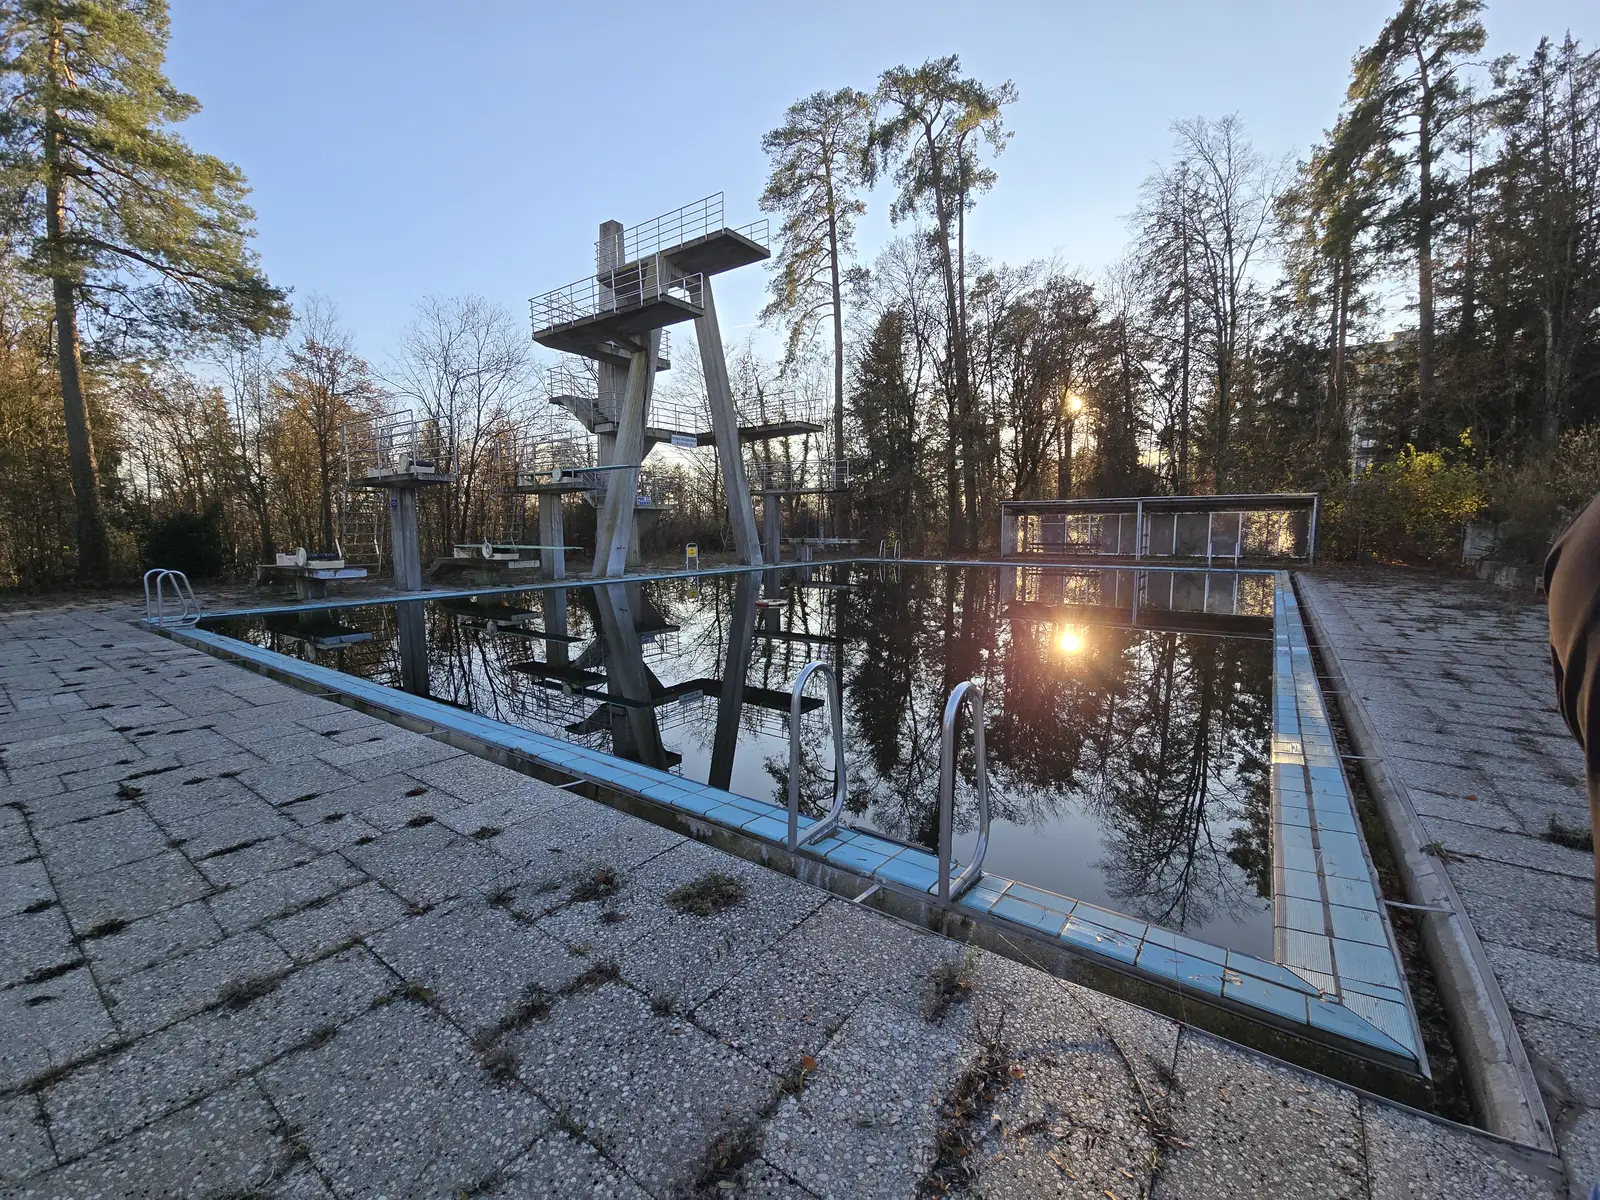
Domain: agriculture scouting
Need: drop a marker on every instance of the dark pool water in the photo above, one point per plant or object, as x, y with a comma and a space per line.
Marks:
1128, 755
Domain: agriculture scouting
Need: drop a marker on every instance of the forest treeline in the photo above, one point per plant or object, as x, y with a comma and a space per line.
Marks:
1405, 318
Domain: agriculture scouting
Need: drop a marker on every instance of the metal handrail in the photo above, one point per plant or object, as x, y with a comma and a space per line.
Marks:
841, 786
615, 291
183, 594
663, 234
952, 889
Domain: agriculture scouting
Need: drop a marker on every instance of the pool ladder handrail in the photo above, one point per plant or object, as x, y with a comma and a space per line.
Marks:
841, 785
952, 889
183, 595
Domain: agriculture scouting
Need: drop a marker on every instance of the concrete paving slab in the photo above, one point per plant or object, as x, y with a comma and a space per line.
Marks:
279, 892
24, 1144
865, 1124
178, 987
689, 957
50, 1023
155, 1075
1410, 1156
34, 942
252, 857
226, 1145
429, 864
1254, 1130
119, 950
797, 994
477, 959
562, 1165
137, 890
395, 1103
652, 1091
23, 884
335, 920
1547, 986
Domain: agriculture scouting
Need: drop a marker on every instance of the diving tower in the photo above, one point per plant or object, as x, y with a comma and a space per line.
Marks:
647, 278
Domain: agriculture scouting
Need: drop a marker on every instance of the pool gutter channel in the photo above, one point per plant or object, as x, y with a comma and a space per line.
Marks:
1366, 1066
1494, 1063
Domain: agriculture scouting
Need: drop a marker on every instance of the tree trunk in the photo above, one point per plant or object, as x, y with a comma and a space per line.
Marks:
1184, 369
838, 352
1424, 252
94, 556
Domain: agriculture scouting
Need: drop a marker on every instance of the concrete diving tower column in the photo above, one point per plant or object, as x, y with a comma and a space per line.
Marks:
614, 529
725, 427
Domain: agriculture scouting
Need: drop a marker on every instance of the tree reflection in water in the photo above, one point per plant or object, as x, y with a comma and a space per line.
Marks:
1162, 737
1154, 744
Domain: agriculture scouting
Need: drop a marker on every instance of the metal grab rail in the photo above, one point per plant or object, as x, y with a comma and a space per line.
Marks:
183, 594
841, 785
952, 889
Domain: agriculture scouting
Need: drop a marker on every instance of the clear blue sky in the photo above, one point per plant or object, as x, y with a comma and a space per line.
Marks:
400, 149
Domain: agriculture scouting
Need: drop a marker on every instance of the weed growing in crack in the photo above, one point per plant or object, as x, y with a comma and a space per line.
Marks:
484, 832
961, 1127
1573, 837
603, 884
500, 1063
949, 984
421, 819
417, 993
722, 1168
712, 893
595, 976
237, 993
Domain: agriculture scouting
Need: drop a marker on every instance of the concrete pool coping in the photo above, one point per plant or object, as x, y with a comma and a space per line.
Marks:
1494, 1062
1337, 1002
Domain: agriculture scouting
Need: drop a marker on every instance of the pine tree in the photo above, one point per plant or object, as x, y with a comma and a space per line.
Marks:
818, 169
142, 240
932, 127
1404, 97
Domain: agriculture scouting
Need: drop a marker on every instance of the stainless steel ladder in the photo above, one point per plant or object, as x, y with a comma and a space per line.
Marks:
183, 596
841, 785
949, 889
952, 889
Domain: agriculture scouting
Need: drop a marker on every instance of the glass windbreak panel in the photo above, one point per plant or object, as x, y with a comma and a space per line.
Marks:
1129, 713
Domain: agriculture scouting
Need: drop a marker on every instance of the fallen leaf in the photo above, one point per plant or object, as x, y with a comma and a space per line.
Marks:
1016, 1071
807, 1063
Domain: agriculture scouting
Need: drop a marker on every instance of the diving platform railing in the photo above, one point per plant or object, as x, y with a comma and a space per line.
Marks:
599, 409
1235, 529
800, 478
774, 414
671, 232
630, 300
394, 449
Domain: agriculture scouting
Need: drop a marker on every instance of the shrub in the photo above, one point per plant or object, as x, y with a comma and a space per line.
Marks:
1409, 510
1534, 500
188, 542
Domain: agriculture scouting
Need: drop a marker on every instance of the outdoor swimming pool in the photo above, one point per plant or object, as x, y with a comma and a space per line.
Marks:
1129, 739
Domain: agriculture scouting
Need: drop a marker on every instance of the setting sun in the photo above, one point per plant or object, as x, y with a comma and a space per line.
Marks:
1069, 641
